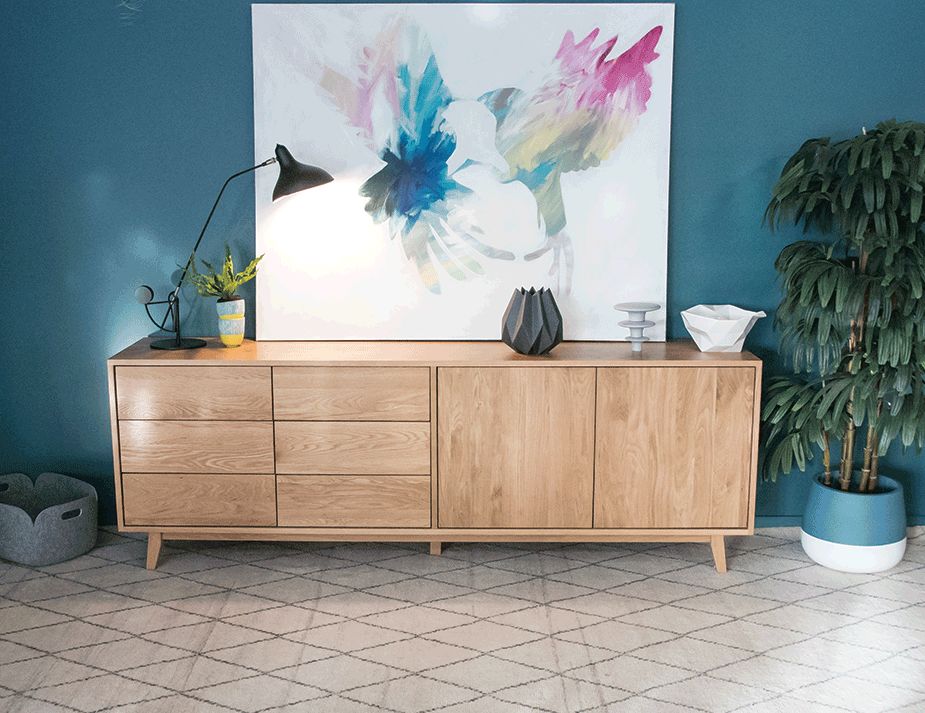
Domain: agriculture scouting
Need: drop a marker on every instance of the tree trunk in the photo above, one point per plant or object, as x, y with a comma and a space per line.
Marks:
826, 458
868, 456
875, 454
874, 465
855, 344
847, 461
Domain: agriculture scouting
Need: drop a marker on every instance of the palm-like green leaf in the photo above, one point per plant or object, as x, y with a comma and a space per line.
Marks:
852, 315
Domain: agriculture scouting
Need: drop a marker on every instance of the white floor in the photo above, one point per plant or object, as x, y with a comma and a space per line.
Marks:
330, 628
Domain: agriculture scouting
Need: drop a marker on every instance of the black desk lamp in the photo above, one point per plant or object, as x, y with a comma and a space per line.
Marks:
293, 177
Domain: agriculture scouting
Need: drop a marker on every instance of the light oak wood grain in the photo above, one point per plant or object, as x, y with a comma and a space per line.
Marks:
462, 534
361, 448
718, 547
732, 447
354, 500
196, 446
674, 447
756, 429
412, 534
516, 447
198, 393
715, 493
682, 354
154, 550
434, 441
114, 434
304, 393
186, 499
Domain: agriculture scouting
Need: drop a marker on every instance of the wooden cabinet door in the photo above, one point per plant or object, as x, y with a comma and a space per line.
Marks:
674, 447
515, 447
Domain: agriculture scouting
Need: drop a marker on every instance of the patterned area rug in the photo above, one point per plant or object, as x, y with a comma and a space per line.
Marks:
337, 628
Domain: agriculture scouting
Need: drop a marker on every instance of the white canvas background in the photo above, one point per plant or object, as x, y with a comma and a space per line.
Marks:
330, 272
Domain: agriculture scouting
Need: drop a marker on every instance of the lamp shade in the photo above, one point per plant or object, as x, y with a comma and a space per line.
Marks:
295, 176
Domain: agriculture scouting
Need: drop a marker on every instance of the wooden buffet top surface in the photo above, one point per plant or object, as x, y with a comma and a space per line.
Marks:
406, 353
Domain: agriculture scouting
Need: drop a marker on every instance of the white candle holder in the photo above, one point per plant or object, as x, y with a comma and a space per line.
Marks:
637, 323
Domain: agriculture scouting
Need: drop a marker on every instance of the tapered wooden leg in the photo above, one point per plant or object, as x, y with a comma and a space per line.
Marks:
718, 545
154, 549
436, 548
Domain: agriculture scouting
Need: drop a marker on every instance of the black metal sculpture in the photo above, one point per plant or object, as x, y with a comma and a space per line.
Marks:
532, 323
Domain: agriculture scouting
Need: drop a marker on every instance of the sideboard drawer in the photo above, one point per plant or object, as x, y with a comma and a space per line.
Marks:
338, 447
344, 393
240, 393
353, 500
196, 446
183, 499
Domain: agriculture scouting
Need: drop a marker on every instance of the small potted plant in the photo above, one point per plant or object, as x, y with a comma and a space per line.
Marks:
852, 320
224, 284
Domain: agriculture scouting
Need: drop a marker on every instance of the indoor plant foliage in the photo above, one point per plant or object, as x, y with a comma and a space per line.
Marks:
224, 284
852, 317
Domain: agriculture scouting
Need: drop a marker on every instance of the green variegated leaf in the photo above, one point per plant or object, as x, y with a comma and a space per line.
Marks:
225, 282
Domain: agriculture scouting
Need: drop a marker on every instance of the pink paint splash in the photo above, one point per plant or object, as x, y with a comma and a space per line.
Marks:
377, 70
357, 91
574, 121
596, 79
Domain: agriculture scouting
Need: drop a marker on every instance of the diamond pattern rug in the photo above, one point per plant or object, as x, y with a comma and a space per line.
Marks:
357, 628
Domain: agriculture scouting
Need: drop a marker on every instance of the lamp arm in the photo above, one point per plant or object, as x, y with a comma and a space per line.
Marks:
202, 232
189, 260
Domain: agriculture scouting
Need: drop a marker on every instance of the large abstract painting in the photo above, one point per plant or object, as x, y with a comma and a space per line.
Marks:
475, 149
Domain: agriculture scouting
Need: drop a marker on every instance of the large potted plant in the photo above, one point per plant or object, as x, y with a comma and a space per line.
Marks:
852, 321
224, 284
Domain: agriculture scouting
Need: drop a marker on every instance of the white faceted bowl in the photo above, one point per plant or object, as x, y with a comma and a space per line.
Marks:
719, 328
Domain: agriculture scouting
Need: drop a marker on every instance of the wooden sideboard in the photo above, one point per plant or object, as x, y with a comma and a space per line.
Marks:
435, 442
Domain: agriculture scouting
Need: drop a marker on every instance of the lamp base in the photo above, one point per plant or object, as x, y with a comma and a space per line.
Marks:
171, 344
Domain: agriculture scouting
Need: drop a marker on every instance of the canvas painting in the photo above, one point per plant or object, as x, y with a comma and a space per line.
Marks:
475, 149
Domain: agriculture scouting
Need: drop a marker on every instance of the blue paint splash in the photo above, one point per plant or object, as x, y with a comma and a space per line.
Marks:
415, 178
414, 191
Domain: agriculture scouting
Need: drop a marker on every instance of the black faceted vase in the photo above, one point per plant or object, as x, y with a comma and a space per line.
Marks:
532, 323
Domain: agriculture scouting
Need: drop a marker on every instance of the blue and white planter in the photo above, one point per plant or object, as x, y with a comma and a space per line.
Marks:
231, 321
855, 532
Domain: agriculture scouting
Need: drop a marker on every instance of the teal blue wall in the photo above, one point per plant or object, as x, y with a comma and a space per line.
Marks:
115, 135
